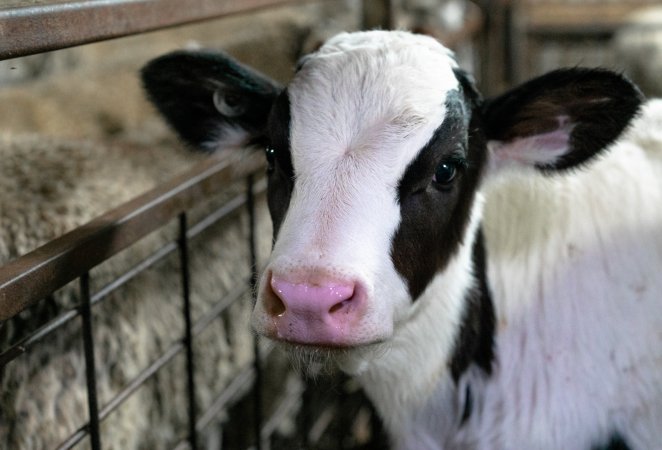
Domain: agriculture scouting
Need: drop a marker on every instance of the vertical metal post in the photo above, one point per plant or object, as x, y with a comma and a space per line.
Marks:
90, 371
257, 400
188, 335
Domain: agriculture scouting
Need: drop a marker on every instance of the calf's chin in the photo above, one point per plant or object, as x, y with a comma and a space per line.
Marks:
314, 360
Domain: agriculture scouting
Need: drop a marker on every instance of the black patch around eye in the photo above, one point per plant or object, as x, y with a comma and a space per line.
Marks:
279, 135
434, 220
280, 169
447, 146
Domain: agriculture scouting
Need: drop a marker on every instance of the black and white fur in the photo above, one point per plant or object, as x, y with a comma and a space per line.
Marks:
502, 258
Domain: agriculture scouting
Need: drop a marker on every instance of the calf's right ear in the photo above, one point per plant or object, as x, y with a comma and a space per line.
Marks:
209, 98
560, 120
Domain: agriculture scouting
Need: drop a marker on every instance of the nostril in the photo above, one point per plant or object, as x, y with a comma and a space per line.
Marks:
340, 306
275, 306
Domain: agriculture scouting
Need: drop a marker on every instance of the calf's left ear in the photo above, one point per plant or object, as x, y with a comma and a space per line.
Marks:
209, 98
560, 119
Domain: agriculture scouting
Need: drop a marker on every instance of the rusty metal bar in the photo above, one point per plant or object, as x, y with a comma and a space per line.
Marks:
30, 278
24, 345
30, 29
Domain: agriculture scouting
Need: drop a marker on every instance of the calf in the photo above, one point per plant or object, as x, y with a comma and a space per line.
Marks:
489, 270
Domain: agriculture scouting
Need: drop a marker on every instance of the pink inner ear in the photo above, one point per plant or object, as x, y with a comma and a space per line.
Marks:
538, 149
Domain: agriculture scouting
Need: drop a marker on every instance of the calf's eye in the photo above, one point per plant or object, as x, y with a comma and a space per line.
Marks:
271, 158
445, 172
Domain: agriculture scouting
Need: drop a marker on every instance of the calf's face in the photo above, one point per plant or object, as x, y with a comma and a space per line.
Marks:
371, 178
375, 153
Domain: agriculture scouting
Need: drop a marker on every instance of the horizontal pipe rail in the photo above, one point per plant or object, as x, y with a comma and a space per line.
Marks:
27, 28
30, 278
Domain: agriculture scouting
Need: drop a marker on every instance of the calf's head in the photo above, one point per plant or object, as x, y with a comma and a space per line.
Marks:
376, 151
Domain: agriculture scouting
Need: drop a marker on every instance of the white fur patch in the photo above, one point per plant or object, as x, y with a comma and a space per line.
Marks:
227, 137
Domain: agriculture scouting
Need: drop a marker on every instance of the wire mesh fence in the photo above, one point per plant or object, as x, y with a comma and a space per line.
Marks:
327, 414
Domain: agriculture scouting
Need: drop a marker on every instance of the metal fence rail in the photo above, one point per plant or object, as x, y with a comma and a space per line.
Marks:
28, 27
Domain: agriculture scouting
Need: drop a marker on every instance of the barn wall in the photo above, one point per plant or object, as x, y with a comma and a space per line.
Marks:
614, 34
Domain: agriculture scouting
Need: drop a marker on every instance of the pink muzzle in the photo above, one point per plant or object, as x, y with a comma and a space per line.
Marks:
323, 313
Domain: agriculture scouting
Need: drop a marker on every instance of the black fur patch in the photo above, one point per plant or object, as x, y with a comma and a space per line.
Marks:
434, 219
614, 442
281, 175
475, 340
468, 405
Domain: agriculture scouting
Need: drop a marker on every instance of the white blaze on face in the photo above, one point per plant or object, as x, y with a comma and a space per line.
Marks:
361, 109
